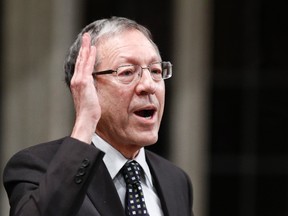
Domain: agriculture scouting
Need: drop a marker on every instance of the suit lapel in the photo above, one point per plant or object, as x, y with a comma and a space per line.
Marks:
162, 185
104, 196
103, 193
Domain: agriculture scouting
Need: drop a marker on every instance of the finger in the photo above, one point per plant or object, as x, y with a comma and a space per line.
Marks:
77, 67
91, 60
82, 55
85, 54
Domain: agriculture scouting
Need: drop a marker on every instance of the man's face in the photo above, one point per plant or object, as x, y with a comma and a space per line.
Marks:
131, 114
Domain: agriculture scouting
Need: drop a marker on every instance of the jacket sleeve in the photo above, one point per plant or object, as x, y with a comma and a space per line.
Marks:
50, 179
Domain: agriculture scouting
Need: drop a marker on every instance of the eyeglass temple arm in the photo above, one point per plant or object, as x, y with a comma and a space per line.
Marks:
96, 73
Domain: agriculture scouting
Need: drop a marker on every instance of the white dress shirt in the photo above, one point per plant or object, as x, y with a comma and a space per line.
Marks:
114, 161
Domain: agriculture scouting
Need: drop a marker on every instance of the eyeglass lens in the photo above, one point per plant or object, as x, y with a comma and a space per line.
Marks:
158, 71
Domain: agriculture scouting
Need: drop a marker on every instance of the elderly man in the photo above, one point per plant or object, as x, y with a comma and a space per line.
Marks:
116, 77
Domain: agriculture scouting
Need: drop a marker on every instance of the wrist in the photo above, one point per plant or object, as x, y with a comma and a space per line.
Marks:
83, 131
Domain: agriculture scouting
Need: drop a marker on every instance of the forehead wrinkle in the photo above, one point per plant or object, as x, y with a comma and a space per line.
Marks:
129, 56
138, 59
117, 51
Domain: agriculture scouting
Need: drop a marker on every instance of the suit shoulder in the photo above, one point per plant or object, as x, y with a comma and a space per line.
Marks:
45, 148
39, 152
36, 159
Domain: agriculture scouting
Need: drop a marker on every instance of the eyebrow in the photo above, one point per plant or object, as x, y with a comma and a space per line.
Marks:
137, 60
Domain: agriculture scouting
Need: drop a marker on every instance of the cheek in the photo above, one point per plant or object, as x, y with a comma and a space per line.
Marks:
161, 100
122, 98
115, 101
160, 94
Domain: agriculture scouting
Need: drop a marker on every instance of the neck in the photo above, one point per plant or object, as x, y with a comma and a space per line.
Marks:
128, 151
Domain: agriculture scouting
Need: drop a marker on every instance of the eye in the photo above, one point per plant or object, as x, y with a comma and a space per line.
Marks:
156, 71
126, 71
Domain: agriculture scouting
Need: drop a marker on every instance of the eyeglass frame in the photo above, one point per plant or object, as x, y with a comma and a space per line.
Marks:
166, 63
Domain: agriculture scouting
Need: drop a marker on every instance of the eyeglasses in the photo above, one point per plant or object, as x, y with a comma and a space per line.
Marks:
126, 74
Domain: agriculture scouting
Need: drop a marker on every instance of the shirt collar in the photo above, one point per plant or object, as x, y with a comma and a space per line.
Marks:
114, 160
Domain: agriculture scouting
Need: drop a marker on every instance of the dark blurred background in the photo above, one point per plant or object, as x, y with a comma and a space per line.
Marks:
246, 120
249, 123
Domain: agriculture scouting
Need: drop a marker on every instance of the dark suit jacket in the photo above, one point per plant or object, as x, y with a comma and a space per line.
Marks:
67, 177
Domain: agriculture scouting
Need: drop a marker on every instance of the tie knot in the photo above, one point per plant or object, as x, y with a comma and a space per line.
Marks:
131, 172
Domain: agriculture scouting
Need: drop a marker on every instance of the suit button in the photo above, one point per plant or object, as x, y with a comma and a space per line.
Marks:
78, 180
81, 172
85, 163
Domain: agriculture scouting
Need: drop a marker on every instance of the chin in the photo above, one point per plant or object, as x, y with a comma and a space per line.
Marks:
147, 140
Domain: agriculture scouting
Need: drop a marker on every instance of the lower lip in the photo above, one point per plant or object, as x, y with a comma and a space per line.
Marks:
150, 120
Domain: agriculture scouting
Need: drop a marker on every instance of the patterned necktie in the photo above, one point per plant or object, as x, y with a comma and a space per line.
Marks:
134, 199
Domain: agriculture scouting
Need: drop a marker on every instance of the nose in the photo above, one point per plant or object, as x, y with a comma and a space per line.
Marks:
146, 84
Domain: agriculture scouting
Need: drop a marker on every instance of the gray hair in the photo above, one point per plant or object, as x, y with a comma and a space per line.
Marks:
99, 31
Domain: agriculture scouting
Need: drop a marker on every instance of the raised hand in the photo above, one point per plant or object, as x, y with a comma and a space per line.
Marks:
83, 88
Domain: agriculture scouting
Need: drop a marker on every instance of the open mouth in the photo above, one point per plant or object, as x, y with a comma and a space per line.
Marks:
146, 113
